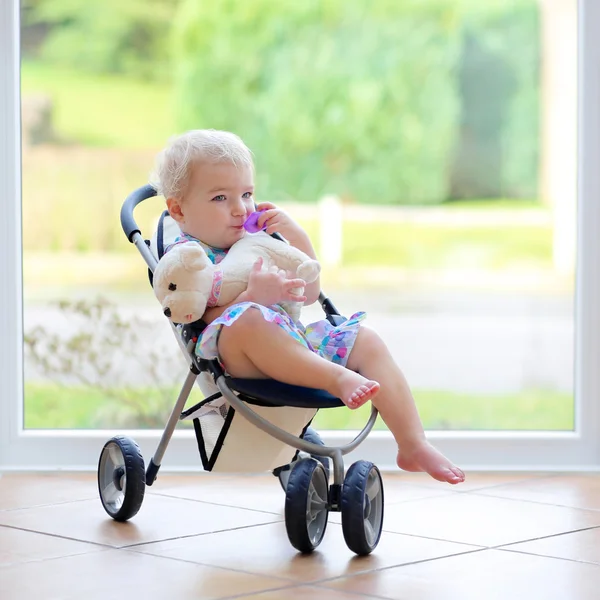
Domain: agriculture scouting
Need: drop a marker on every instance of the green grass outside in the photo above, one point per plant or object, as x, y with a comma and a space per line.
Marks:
527, 410
431, 247
51, 407
483, 204
102, 110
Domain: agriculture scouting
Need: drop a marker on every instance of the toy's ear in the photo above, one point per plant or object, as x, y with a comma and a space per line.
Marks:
193, 257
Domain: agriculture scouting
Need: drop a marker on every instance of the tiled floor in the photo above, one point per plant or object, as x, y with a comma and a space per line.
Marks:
499, 536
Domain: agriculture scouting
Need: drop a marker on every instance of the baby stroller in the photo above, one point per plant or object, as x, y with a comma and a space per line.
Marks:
270, 417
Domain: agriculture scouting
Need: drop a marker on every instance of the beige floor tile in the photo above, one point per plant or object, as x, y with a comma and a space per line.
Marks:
18, 546
402, 488
483, 520
579, 545
484, 575
159, 518
266, 550
578, 491
25, 490
123, 574
255, 492
397, 490
307, 592
263, 492
192, 527
483, 481
474, 480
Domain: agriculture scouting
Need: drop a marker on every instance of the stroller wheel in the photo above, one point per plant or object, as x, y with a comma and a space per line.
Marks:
306, 505
283, 474
310, 435
362, 507
121, 478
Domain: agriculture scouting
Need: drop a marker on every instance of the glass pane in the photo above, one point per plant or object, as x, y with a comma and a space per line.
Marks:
428, 149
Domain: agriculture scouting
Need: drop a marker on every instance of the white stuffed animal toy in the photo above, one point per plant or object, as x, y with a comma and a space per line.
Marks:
186, 281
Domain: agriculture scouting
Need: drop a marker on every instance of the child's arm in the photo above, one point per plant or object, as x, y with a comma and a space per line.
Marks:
278, 221
264, 287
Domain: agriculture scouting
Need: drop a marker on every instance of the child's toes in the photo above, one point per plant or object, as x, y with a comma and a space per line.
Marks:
370, 389
458, 473
451, 475
363, 393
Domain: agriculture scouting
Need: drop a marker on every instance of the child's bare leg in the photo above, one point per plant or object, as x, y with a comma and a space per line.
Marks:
370, 357
254, 348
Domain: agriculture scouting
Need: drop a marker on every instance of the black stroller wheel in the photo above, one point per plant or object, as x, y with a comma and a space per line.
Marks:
362, 507
310, 435
121, 478
306, 505
283, 475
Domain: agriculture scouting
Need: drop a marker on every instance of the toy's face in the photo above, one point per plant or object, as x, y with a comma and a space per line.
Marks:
183, 306
182, 283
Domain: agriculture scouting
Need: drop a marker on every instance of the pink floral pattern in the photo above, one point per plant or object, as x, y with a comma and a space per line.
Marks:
333, 343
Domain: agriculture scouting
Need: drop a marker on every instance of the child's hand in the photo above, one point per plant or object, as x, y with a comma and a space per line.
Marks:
272, 286
278, 221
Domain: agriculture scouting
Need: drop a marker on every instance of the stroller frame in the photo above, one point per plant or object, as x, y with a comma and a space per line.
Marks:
130, 463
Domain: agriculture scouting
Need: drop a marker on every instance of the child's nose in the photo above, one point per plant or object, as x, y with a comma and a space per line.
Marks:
238, 207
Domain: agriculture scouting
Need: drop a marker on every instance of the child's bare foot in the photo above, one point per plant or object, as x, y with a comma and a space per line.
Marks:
424, 457
354, 390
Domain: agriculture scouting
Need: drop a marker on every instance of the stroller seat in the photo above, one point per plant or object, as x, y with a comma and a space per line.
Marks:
275, 393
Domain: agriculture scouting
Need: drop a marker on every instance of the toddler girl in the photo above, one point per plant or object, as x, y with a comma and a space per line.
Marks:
207, 178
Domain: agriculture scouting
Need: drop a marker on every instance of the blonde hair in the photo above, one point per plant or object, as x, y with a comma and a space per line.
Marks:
173, 163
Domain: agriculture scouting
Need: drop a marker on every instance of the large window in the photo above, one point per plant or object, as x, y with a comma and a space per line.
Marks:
431, 153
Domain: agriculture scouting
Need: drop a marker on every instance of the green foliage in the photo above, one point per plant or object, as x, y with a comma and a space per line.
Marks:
497, 149
364, 99
460, 247
106, 36
90, 356
355, 98
102, 110
380, 102
521, 135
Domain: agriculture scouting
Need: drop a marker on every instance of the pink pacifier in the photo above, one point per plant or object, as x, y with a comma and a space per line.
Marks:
251, 223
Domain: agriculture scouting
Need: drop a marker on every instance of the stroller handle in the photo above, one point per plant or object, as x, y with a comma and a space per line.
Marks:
128, 223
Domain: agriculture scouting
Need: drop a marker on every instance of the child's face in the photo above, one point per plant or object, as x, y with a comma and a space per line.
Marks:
217, 201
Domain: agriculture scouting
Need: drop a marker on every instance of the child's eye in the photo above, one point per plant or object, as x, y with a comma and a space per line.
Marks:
247, 195
219, 198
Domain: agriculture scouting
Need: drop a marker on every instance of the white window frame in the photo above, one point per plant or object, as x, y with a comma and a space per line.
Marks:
79, 450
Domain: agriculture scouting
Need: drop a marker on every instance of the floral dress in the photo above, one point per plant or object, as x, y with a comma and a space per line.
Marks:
333, 343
